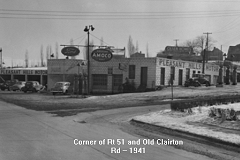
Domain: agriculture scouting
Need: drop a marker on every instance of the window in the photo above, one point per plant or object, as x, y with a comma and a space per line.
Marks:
117, 79
131, 72
99, 79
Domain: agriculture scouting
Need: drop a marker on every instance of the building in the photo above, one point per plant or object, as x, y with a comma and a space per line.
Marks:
214, 55
234, 53
150, 72
180, 53
25, 74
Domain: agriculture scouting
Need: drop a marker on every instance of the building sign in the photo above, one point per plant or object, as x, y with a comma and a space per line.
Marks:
70, 51
24, 72
102, 55
185, 64
178, 49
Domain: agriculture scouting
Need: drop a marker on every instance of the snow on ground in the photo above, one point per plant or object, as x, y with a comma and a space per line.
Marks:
183, 121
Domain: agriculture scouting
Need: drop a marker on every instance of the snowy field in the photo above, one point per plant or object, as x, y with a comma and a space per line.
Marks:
197, 122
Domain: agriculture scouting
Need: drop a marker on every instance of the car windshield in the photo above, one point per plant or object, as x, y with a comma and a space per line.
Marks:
20, 83
58, 84
29, 83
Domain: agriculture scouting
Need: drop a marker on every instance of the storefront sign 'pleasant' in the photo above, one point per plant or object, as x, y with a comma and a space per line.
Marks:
182, 64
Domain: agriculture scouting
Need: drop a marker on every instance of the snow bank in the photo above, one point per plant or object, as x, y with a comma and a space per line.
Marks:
180, 121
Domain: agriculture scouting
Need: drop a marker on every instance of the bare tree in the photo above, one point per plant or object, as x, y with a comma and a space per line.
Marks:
56, 50
199, 43
136, 46
147, 54
41, 56
47, 53
26, 59
85, 54
72, 43
131, 47
101, 42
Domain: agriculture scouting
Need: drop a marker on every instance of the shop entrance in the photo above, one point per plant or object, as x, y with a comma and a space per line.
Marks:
144, 76
180, 77
162, 78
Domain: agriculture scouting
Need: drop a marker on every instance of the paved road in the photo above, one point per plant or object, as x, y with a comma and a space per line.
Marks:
33, 135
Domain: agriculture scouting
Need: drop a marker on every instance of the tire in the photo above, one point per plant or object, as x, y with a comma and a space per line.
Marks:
25, 91
53, 93
207, 84
34, 90
65, 92
196, 85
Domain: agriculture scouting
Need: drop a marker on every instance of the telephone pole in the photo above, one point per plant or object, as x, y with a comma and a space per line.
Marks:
204, 53
176, 41
207, 33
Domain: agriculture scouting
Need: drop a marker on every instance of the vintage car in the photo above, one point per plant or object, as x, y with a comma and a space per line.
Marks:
18, 86
196, 82
202, 81
192, 82
60, 87
7, 84
32, 86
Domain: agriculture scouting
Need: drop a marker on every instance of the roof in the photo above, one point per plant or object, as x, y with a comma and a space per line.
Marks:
30, 68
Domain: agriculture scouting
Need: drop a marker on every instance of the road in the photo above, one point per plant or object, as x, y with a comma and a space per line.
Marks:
32, 135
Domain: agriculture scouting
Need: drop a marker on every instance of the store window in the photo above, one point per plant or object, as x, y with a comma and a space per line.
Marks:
131, 71
99, 79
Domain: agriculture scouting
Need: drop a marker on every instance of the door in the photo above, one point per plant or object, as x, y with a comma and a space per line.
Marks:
143, 76
180, 77
162, 78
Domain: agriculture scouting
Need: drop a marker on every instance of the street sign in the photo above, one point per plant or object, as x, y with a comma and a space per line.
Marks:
102, 55
70, 51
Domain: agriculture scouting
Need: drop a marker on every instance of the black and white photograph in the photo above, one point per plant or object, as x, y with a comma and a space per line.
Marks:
119, 80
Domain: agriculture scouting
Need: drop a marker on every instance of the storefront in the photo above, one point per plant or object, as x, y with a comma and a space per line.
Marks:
25, 74
108, 76
147, 72
65, 70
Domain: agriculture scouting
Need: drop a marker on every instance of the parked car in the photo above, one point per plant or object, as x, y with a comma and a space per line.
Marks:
60, 87
18, 86
32, 86
196, 82
202, 81
192, 82
7, 84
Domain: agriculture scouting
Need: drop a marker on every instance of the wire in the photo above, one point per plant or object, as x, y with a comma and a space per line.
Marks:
39, 11
99, 39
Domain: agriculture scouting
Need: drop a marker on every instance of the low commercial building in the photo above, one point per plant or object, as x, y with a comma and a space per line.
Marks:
25, 74
108, 75
148, 72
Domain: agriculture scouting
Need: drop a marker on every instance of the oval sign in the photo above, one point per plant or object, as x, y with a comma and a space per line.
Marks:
70, 51
102, 55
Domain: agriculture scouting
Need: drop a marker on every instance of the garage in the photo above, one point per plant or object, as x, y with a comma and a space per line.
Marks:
34, 78
19, 77
5, 77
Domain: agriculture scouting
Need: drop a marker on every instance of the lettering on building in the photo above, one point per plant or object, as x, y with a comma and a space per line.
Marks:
191, 65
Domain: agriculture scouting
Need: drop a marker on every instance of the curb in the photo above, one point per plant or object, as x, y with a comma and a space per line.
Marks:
187, 135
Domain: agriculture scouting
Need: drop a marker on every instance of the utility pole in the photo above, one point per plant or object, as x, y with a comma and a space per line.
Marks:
204, 53
176, 41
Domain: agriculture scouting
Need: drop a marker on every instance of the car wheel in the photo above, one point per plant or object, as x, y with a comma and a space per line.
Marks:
196, 85
53, 93
34, 90
25, 91
65, 92
207, 84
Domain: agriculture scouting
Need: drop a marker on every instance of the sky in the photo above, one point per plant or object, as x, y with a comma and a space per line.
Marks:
26, 25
